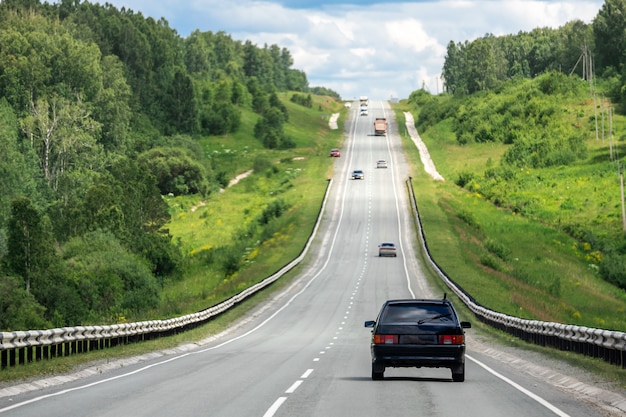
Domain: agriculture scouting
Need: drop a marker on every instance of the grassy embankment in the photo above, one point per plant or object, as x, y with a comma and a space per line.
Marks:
228, 221
484, 247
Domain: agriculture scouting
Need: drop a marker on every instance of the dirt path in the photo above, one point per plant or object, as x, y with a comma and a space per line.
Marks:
333, 121
429, 166
230, 184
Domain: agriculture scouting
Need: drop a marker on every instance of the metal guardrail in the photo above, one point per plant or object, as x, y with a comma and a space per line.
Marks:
606, 344
27, 346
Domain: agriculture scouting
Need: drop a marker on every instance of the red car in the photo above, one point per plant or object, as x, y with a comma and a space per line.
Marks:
335, 153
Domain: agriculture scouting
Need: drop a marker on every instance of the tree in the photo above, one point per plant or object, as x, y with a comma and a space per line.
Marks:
145, 213
197, 53
176, 171
18, 177
609, 29
63, 134
269, 130
112, 107
485, 64
453, 69
111, 280
180, 104
18, 308
30, 244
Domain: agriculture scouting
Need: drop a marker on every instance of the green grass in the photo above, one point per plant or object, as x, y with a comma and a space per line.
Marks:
457, 247
297, 177
520, 265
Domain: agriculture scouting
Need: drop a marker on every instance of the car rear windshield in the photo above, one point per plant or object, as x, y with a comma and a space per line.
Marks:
412, 313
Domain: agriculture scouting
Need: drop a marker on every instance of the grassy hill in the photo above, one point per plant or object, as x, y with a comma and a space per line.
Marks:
245, 232
531, 244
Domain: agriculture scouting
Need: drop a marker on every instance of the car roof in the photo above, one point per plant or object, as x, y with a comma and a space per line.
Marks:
418, 301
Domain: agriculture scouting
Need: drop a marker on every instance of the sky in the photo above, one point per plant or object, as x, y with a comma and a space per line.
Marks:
375, 48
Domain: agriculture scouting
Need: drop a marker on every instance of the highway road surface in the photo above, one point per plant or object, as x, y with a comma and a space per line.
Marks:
306, 353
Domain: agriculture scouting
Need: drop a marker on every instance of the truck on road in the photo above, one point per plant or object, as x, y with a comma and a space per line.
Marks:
380, 126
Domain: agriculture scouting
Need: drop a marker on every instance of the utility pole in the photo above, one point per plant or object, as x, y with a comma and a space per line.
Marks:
595, 114
602, 111
611, 132
590, 69
621, 187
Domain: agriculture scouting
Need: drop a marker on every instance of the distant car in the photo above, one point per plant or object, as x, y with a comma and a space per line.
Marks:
418, 333
387, 249
381, 164
363, 112
358, 174
335, 153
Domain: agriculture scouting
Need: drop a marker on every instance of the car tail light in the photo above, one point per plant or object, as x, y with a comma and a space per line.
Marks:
385, 339
451, 339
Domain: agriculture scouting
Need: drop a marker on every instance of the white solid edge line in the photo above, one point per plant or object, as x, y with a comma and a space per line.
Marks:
518, 387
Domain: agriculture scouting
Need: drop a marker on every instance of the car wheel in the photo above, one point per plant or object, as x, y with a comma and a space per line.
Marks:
458, 373
378, 372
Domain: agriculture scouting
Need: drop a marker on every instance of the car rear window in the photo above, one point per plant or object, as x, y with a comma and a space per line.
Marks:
412, 313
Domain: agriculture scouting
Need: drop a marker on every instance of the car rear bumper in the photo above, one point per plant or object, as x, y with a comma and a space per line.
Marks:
424, 356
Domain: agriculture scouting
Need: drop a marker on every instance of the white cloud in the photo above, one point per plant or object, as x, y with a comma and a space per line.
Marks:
380, 49
410, 34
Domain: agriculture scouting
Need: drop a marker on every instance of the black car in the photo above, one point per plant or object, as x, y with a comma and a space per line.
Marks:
418, 333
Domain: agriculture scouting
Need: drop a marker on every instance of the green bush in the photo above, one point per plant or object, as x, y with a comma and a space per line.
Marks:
464, 178
19, 308
497, 249
613, 269
491, 261
468, 218
176, 171
111, 281
274, 210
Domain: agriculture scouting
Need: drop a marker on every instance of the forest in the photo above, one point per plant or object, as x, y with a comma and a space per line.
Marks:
99, 108
588, 50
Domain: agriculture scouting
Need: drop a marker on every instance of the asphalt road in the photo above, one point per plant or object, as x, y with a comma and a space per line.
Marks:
306, 353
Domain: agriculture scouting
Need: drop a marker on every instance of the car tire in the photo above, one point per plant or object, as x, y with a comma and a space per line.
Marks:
458, 373
378, 372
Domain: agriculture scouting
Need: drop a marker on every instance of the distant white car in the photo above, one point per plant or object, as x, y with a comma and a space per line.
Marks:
363, 112
387, 249
358, 174
381, 164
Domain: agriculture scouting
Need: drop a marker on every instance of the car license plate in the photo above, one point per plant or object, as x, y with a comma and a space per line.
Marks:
415, 339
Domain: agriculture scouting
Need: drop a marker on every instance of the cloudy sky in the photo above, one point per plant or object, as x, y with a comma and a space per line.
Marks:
381, 49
